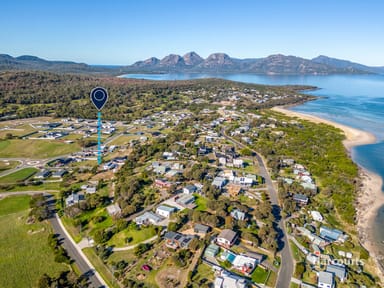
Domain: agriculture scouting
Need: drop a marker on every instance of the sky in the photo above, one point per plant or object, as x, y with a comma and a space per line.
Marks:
120, 32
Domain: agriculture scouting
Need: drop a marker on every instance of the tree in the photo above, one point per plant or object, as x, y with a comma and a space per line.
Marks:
141, 249
44, 281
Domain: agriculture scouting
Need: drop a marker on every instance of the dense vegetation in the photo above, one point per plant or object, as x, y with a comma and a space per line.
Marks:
322, 153
31, 94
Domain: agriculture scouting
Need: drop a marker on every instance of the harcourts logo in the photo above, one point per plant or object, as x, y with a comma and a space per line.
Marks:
342, 262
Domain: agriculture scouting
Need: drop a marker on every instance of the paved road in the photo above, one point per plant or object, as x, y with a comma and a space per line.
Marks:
70, 246
286, 269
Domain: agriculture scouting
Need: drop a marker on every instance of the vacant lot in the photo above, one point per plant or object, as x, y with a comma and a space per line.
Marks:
20, 175
134, 236
35, 149
24, 253
6, 165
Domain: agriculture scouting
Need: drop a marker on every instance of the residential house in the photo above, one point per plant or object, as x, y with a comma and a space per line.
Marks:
161, 169
113, 209
331, 234
90, 190
59, 173
227, 238
337, 270
43, 174
243, 181
109, 166
316, 215
219, 182
163, 183
189, 189
227, 280
325, 280
238, 215
312, 259
73, 199
201, 229
165, 211
211, 251
238, 163
176, 240
186, 201
300, 199
148, 218
244, 264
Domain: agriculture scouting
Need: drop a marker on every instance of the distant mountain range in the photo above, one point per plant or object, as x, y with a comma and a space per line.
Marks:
193, 63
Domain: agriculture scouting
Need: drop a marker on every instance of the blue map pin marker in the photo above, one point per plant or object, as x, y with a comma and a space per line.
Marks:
99, 97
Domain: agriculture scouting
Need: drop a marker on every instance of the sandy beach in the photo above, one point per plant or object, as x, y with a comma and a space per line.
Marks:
370, 198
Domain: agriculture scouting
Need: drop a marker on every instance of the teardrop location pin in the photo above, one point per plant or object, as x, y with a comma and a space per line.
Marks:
99, 97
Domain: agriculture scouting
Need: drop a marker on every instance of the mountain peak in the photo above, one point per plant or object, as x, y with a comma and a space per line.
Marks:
172, 60
192, 59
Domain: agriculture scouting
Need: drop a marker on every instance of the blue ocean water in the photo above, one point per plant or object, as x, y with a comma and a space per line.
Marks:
353, 100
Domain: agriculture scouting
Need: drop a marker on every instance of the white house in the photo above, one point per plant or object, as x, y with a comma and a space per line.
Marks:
238, 163
243, 181
165, 211
189, 189
316, 216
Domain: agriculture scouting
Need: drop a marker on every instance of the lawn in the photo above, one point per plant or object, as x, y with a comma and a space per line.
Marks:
105, 273
10, 205
6, 165
35, 149
54, 186
137, 236
259, 275
20, 175
24, 254
297, 254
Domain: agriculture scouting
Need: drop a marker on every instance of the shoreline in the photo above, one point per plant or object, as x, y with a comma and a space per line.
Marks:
370, 197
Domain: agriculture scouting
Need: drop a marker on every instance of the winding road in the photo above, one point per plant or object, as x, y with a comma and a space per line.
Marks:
82, 262
287, 263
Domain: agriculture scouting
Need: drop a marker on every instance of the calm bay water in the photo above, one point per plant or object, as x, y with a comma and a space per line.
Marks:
354, 100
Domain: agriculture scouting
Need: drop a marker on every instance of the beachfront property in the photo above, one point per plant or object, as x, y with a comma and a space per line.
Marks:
332, 235
338, 271
325, 280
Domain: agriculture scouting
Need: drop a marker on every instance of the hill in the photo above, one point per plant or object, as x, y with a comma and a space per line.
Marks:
193, 63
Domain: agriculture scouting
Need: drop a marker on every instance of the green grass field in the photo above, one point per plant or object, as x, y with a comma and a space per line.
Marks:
24, 254
35, 149
259, 275
20, 175
54, 186
137, 236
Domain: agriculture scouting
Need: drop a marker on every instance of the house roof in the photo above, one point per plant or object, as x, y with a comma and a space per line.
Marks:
228, 234
191, 187
166, 208
148, 216
300, 197
339, 271
325, 277
201, 227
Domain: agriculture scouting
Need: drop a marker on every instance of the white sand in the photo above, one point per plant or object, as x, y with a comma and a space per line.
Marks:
370, 198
